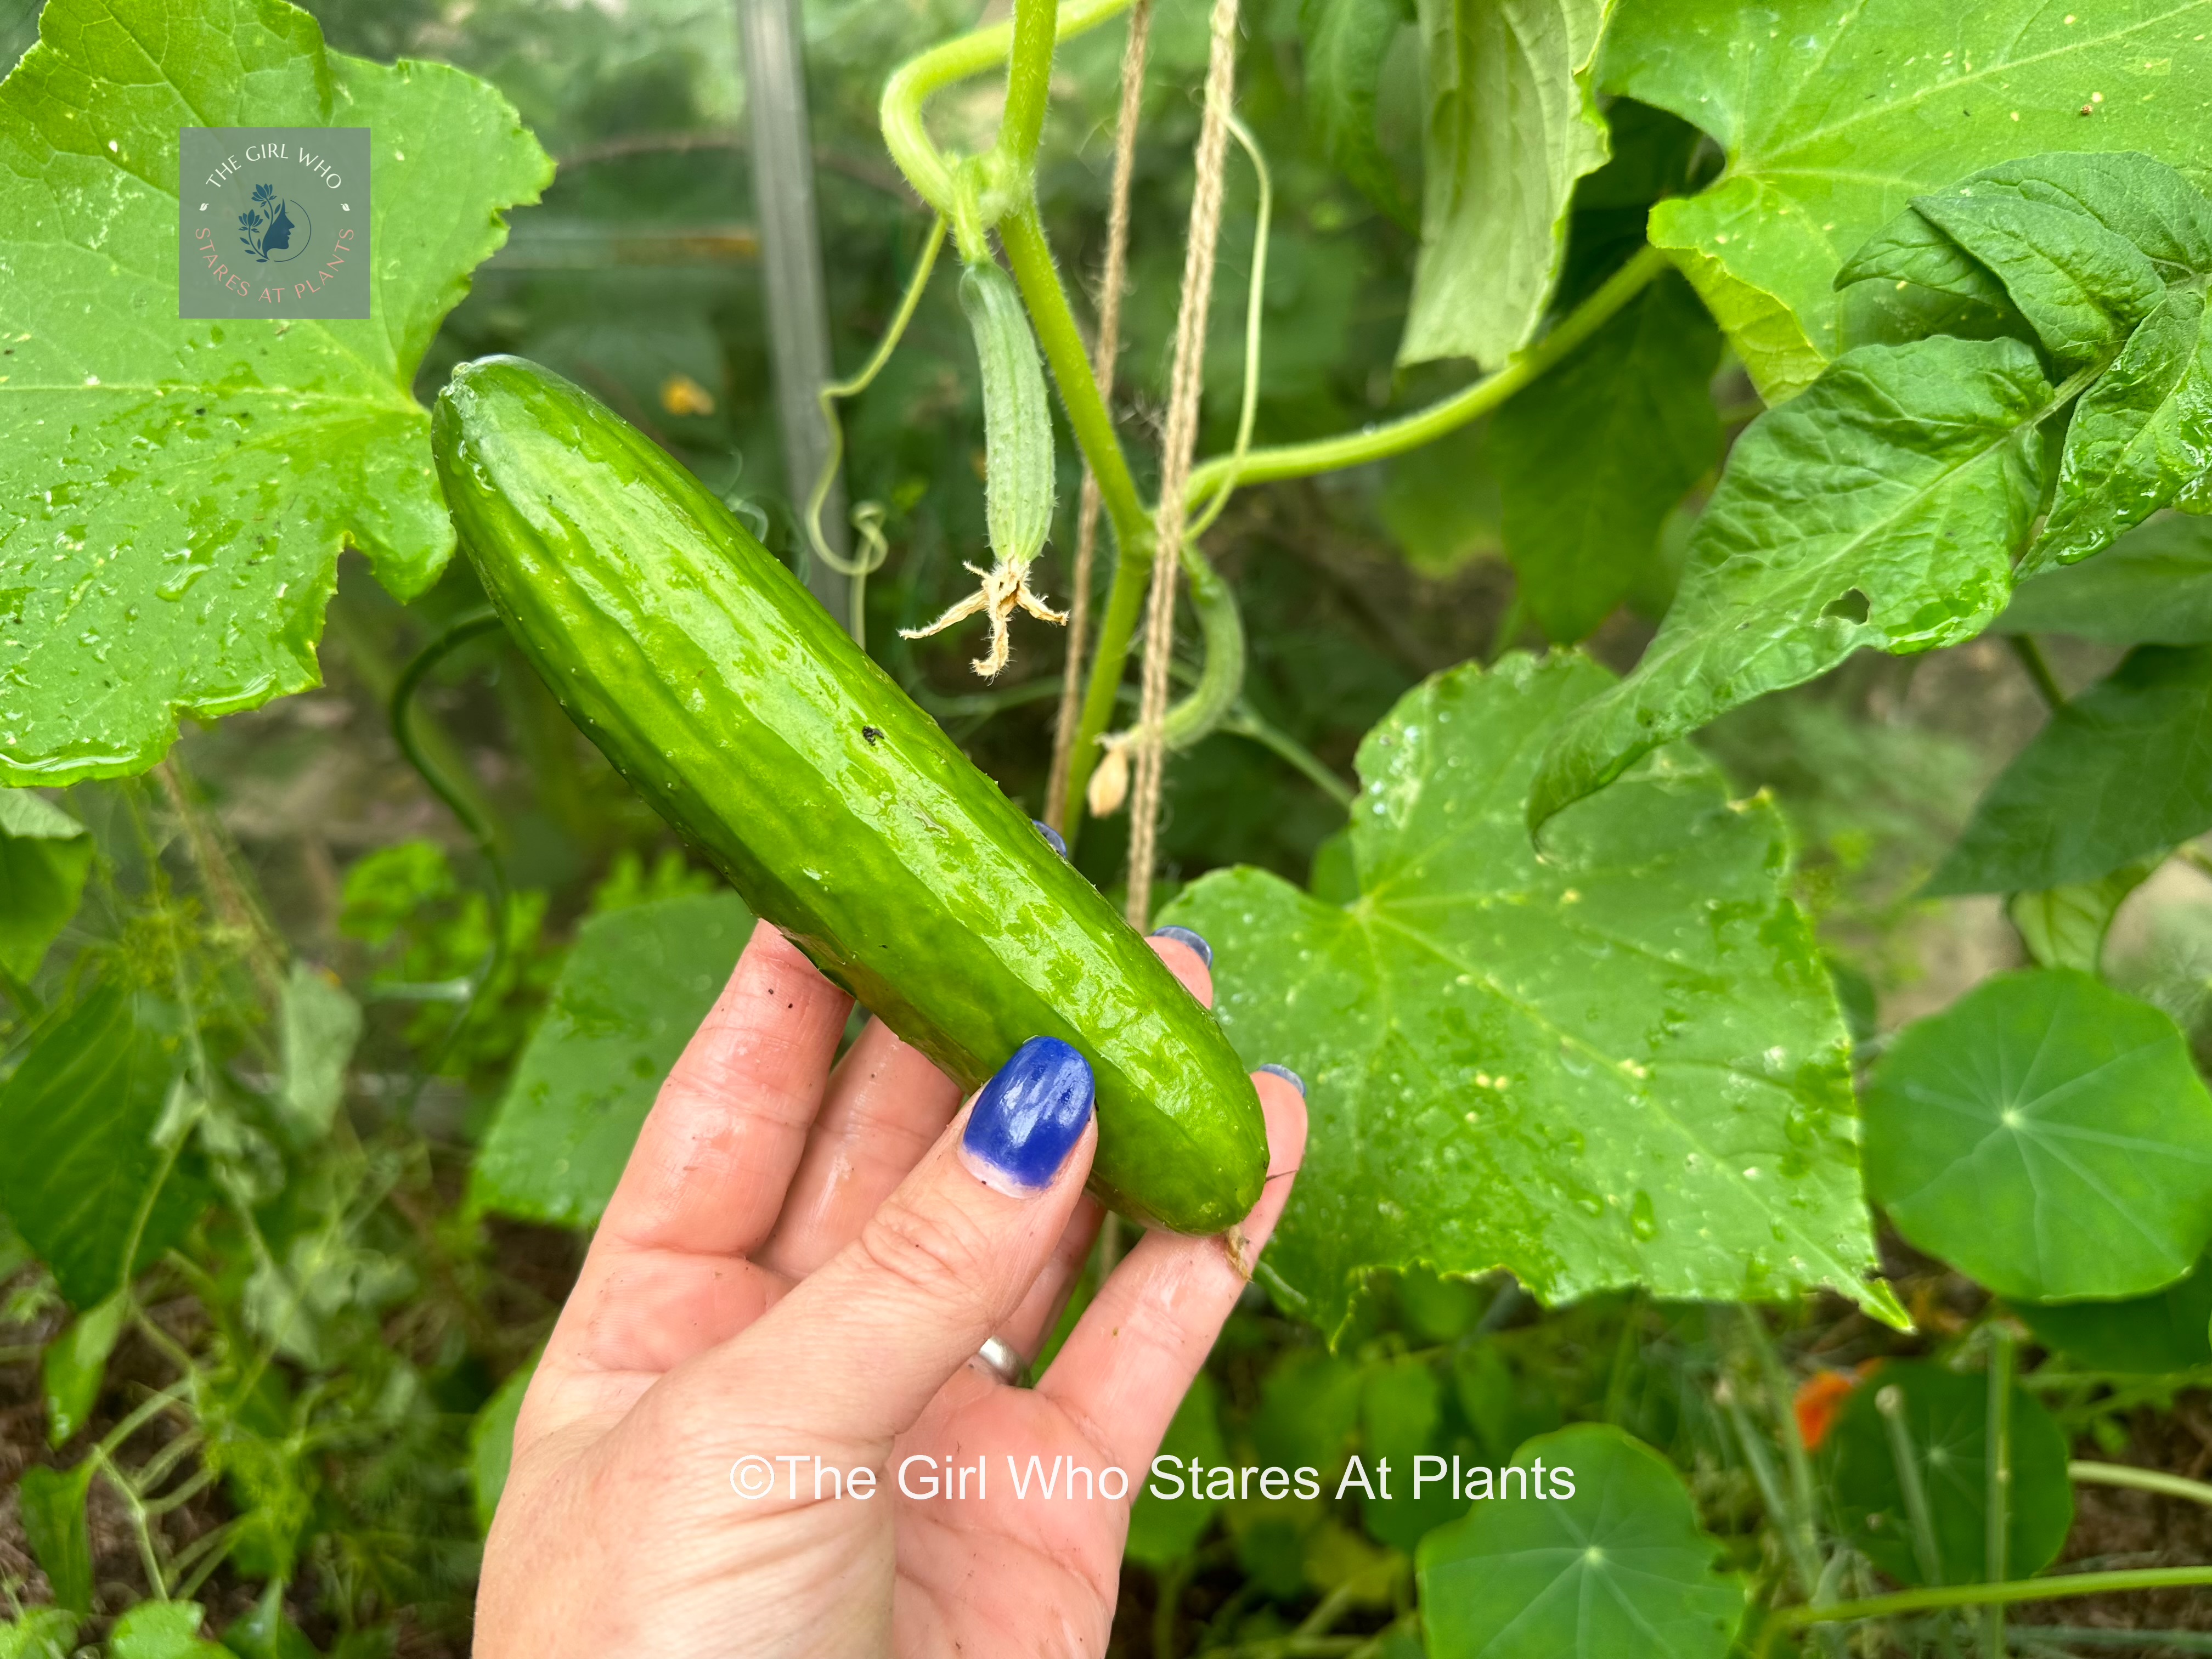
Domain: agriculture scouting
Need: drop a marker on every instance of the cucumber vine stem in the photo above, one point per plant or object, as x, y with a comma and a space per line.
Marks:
1026, 44
1979, 1595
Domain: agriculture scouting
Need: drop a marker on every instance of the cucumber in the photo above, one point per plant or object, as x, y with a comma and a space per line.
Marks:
838, 810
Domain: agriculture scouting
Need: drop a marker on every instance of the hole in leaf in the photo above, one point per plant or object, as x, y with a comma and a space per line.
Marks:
1853, 606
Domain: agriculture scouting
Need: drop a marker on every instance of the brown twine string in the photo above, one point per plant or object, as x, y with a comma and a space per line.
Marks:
1102, 356
1177, 449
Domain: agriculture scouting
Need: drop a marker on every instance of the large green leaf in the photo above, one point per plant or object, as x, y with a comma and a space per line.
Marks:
2153, 586
1592, 456
1881, 508
1513, 121
2170, 1330
1833, 118
2105, 258
1944, 1415
2048, 1136
633, 990
163, 1630
82, 1175
1346, 42
45, 856
2120, 772
177, 491
1621, 1566
1620, 1064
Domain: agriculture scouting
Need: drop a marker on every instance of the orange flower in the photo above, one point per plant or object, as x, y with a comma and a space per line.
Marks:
1821, 1396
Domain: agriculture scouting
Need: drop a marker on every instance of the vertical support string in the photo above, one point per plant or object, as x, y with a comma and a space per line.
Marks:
1177, 449
1107, 347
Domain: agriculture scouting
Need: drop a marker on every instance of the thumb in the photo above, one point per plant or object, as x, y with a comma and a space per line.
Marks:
866, 1341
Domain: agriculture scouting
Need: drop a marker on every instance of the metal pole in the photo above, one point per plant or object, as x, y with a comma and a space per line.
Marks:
791, 256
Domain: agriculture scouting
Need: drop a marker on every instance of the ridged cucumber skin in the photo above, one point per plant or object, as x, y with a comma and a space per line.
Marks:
838, 809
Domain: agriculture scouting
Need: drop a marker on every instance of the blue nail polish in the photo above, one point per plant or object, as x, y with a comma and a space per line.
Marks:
1184, 936
1030, 1116
1051, 836
1289, 1077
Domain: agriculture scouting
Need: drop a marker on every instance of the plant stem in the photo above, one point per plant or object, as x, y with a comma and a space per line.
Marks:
2157, 1480
1029, 88
2039, 670
1376, 443
1246, 724
1980, 1595
911, 85
1997, 1521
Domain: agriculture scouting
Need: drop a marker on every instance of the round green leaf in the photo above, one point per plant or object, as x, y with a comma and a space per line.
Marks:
2048, 1136
1620, 1567
2170, 1331
1946, 1420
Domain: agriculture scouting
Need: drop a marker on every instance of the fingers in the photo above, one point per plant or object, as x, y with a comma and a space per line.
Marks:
857, 1349
715, 1157
886, 1105
1130, 1359
1029, 1326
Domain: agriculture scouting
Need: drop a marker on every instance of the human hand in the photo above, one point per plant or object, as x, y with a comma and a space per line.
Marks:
803, 1263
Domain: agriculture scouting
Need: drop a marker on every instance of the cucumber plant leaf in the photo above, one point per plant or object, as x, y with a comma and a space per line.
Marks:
2106, 257
633, 988
52, 1503
1164, 1529
1834, 118
2117, 775
2153, 586
1591, 458
1621, 1566
1346, 42
1882, 507
45, 856
2048, 1136
1945, 1416
83, 1180
174, 492
1513, 121
75, 1365
1620, 1064
2066, 927
2170, 1330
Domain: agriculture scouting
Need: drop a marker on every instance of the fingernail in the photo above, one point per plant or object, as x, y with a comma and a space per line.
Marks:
1052, 837
1029, 1117
1288, 1076
1184, 936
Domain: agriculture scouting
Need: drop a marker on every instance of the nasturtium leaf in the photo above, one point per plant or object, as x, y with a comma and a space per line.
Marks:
1346, 42
491, 1443
1620, 1064
1164, 1529
83, 1177
51, 1505
2066, 927
2168, 1331
1834, 118
75, 1365
1513, 121
2153, 586
2121, 771
1621, 1566
1880, 508
1945, 1417
1593, 457
630, 994
173, 492
2048, 1136
45, 856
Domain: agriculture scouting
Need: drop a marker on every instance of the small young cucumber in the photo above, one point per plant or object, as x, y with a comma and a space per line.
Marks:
839, 810
1018, 482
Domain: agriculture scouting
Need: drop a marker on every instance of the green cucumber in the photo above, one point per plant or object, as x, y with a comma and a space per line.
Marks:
1016, 423
839, 810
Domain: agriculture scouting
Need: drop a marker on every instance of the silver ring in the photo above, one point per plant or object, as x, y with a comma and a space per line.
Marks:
1000, 1357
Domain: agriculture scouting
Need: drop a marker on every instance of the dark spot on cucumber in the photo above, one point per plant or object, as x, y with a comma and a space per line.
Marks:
873, 735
